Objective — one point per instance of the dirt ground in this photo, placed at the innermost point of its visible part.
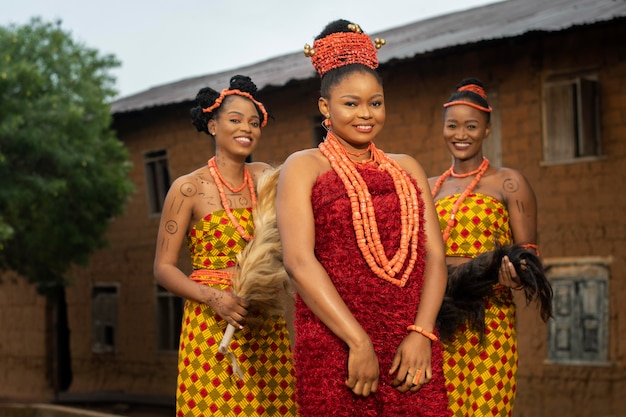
(130, 410)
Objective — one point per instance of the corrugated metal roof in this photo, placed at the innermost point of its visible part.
(495, 21)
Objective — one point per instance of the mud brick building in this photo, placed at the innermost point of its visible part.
(555, 72)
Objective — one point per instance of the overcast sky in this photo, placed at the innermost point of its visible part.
(162, 41)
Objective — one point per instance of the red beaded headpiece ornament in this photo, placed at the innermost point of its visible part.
(343, 48)
(226, 92)
(476, 89)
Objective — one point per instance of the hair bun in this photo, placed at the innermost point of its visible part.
(243, 83)
(470, 81)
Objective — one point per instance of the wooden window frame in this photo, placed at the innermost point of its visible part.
(318, 132)
(571, 118)
(158, 179)
(578, 333)
(104, 316)
(169, 312)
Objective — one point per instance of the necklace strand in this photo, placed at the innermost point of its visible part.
(219, 174)
(466, 174)
(364, 216)
(479, 172)
(219, 182)
(363, 152)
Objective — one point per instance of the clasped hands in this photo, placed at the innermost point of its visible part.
(411, 366)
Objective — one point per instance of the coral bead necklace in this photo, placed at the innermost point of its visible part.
(363, 152)
(468, 174)
(220, 182)
(479, 172)
(364, 216)
(213, 164)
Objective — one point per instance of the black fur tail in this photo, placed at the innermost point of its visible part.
(470, 284)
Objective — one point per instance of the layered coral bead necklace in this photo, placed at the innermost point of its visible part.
(220, 182)
(364, 216)
(478, 172)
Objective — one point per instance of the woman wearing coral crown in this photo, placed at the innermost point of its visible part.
(482, 211)
(362, 245)
(211, 208)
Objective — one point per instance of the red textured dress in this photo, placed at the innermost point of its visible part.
(383, 309)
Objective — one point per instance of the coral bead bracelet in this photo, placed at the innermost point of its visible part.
(423, 332)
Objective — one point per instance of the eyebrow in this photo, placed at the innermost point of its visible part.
(377, 95)
(241, 114)
(467, 121)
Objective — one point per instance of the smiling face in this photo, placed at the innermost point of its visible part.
(464, 129)
(356, 108)
(237, 127)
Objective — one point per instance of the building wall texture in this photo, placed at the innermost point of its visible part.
(579, 214)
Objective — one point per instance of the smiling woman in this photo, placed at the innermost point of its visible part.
(211, 208)
(368, 295)
(482, 208)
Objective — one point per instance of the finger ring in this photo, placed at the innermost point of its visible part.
(418, 374)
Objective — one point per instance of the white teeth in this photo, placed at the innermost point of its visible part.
(242, 139)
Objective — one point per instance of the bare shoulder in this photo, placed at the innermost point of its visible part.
(307, 159)
(190, 184)
(511, 179)
(303, 167)
(409, 164)
(510, 172)
(432, 181)
(257, 169)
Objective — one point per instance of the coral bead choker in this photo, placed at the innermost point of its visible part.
(467, 174)
(220, 182)
(479, 172)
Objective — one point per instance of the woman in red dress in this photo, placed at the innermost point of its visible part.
(361, 242)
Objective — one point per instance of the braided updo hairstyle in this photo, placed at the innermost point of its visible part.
(335, 76)
(471, 96)
(207, 96)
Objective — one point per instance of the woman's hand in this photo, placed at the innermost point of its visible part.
(507, 276)
(228, 306)
(412, 363)
(363, 370)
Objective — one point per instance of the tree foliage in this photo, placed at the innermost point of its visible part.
(63, 172)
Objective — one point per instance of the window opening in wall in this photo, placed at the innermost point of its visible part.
(157, 179)
(492, 145)
(319, 133)
(578, 332)
(169, 317)
(104, 302)
(571, 113)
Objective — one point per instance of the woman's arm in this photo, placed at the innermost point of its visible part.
(414, 353)
(175, 219)
(297, 232)
(521, 204)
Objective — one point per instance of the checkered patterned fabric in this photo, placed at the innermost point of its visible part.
(480, 376)
(206, 383)
(214, 242)
(480, 222)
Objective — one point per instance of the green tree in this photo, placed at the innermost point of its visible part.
(63, 172)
